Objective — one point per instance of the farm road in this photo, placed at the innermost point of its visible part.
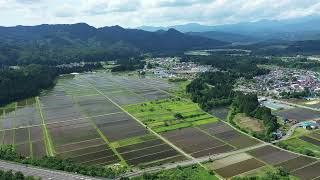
(42, 173)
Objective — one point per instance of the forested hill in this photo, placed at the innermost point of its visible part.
(80, 42)
(286, 47)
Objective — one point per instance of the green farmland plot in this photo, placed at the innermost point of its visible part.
(170, 114)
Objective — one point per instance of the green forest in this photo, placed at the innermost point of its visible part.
(27, 81)
(248, 104)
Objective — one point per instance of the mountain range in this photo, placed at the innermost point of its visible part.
(81, 33)
(294, 29)
(63, 43)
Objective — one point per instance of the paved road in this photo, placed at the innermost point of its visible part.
(42, 173)
(192, 161)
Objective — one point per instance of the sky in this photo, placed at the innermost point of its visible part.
(134, 13)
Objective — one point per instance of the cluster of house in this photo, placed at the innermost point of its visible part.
(172, 68)
(285, 80)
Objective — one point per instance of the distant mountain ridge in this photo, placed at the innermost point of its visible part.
(84, 34)
(226, 36)
(294, 29)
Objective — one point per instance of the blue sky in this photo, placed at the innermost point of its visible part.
(133, 13)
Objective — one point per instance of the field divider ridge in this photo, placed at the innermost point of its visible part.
(30, 143)
(47, 139)
(207, 133)
(127, 89)
(105, 139)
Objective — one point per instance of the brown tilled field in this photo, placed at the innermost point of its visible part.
(272, 155)
(229, 135)
(196, 142)
(239, 168)
(296, 163)
(308, 172)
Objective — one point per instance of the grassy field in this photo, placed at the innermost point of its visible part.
(248, 123)
(170, 114)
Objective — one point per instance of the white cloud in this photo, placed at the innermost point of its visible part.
(66, 10)
(132, 13)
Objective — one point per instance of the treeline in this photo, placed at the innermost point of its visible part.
(212, 89)
(248, 104)
(23, 82)
(51, 54)
(70, 68)
(296, 63)
(10, 175)
(128, 65)
(7, 153)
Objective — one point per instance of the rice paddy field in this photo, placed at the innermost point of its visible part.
(259, 160)
(304, 141)
(299, 114)
(220, 112)
(188, 127)
(82, 119)
(105, 119)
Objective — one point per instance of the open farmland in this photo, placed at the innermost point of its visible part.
(272, 155)
(305, 142)
(311, 171)
(229, 135)
(262, 159)
(21, 126)
(196, 142)
(300, 166)
(239, 168)
(81, 118)
(220, 112)
(105, 119)
(299, 114)
(188, 127)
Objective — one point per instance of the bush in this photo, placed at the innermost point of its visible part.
(178, 116)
